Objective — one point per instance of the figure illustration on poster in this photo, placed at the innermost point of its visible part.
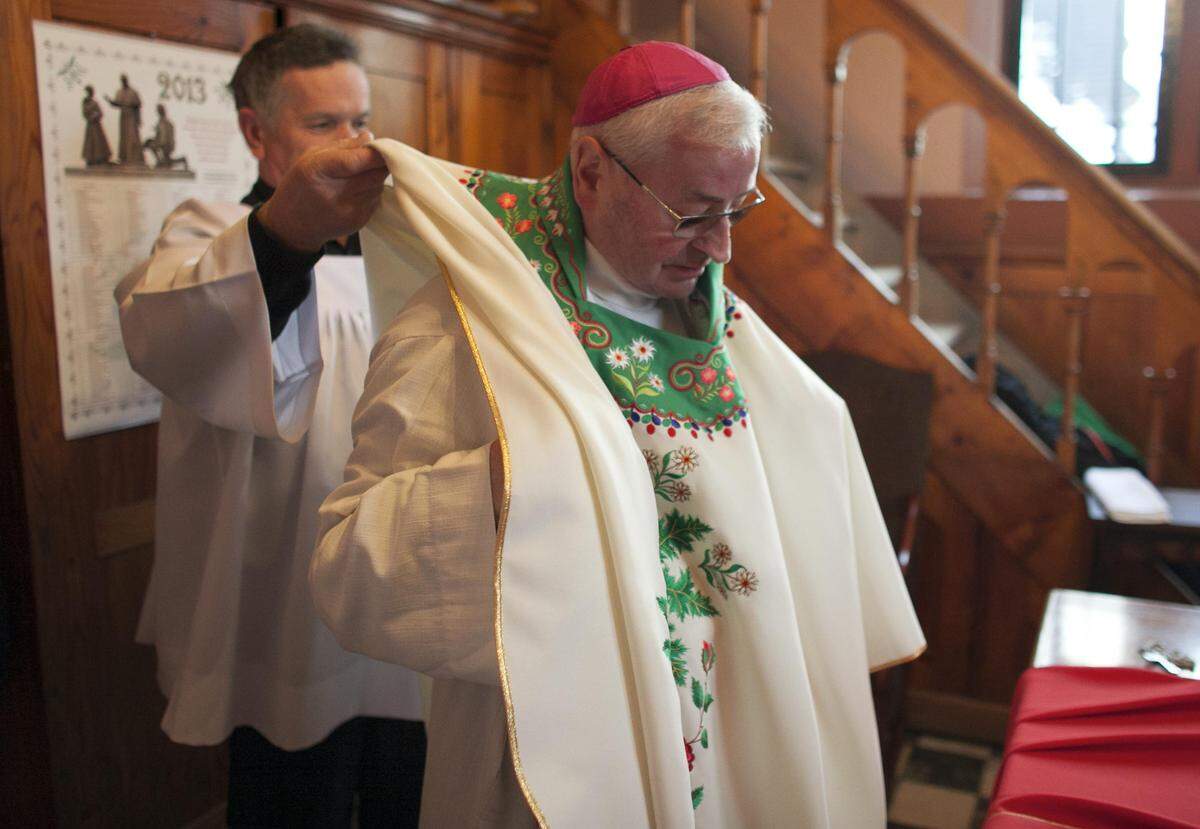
(131, 148)
(95, 143)
(162, 144)
(127, 100)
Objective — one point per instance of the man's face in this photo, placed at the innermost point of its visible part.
(635, 234)
(314, 108)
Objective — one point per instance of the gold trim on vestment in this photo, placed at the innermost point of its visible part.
(877, 668)
(501, 524)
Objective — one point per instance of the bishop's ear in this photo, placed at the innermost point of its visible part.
(251, 125)
(587, 170)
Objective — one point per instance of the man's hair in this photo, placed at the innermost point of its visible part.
(718, 115)
(304, 46)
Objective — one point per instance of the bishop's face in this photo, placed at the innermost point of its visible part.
(636, 235)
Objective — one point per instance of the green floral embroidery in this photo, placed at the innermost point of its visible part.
(680, 536)
(662, 381)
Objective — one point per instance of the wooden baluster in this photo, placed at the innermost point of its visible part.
(835, 94)
(618, 13)
(759, 10)
(985, 360)
(1160, 382)
(1076, 307)
(687, 23)
(914, 147)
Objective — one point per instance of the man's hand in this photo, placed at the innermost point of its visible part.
(327, 194)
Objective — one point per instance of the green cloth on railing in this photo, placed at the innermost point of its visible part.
(1088, 418)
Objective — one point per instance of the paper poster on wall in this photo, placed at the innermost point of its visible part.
(131, 127)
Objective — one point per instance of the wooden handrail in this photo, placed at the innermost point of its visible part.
(1105, 226)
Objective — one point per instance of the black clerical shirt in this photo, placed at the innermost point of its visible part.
(286, 274)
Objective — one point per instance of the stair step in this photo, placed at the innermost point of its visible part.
(947, 331)
(890, 275)
(789, 168)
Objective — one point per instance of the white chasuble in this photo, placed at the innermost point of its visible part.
(692, 578)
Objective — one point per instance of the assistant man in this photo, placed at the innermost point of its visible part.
(253, 321)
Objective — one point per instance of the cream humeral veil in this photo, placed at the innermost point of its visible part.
(594, 712)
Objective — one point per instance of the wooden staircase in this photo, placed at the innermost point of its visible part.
(1004, 518)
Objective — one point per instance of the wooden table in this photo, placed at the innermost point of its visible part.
(1102, 631)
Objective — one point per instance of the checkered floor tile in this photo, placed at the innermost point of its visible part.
(942, 784)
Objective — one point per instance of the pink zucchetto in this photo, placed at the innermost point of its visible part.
(639, 74)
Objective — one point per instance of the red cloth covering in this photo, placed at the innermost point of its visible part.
(1100, 748)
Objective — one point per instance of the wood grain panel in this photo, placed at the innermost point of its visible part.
(503, 119)
(218, 24)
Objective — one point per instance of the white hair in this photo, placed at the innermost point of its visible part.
(721, 115)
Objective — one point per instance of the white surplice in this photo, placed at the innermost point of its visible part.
(254, 434)
(572, 635)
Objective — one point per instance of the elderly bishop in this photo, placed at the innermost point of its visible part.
(626, 530)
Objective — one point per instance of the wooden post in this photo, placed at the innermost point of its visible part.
(759, 10)
(914, 147)
(1160, 382)
(618, 13)
(687, 23)
(1076, 306)
(835, 93)
(985, 360)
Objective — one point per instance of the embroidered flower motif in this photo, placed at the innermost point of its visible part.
(687, 458)
(507, 201)
(708, 655)
(651, 459)
(576, 327)
(558, 229)
(523, 226)
(536, 264)
(721, 554)
(708, 375)
(656, 382)
(679, 491)
(552, 214)
(744, 582)
(729, 375)
(689, 754)
(725, 393)
(642, 349)
(616, 358)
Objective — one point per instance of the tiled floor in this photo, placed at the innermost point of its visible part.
(942, 784)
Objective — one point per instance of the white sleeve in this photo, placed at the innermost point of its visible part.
(404, 567)
(893, 634)
(195, 325)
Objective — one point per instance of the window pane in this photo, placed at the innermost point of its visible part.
(1091, 69)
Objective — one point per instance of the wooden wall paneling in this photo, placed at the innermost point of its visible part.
(219, 24)
(946, 592)
(453, 22)
(109, 760)
(501, 114)
(438, 101)
(396, 68)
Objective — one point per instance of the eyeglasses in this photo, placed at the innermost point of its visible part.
(690, 227)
